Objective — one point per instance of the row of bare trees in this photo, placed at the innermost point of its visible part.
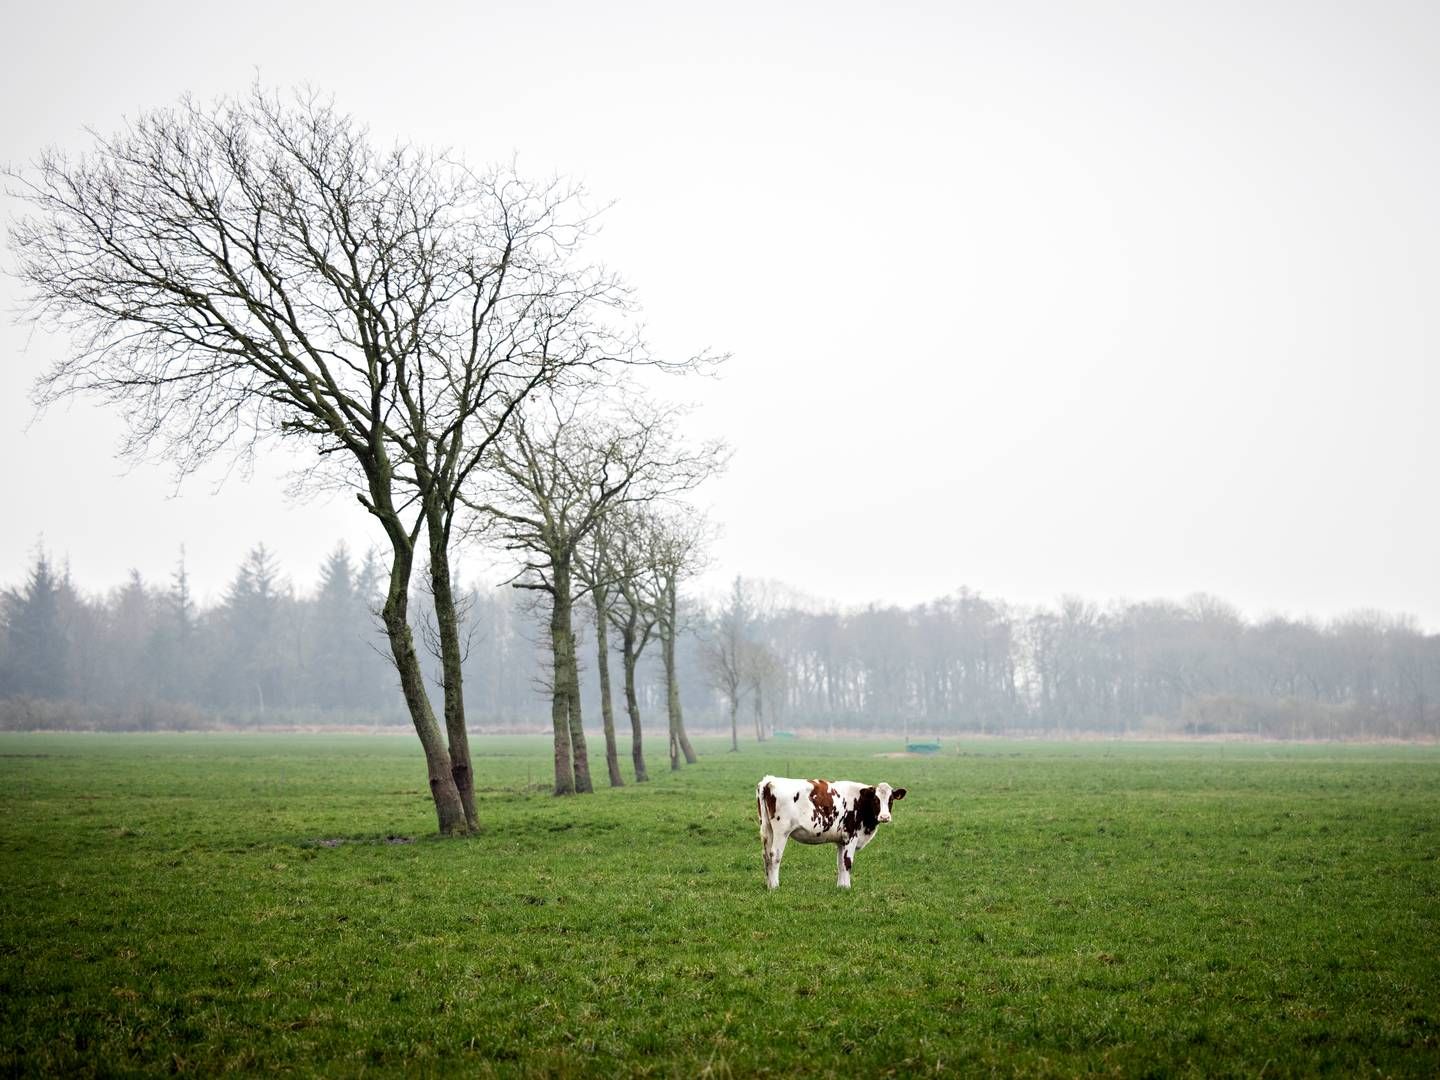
(633, 569)
(969, 664)
(258, 268)
(583, 492)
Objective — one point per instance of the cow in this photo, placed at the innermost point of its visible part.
(839, 812)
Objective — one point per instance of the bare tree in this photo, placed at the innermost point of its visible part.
(256, 268)
(593, 568)
(625, 568)
(762, 672)
(551, 480)
(724, 650)
(676, 552)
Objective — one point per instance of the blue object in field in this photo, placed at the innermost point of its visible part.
(923, 747)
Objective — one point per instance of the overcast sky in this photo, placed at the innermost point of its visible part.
(1123, 300)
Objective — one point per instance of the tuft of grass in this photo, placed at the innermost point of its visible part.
(209, 903)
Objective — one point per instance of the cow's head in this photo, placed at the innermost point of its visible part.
(888, 795)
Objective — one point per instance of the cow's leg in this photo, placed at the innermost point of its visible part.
(774, 852)
(844, 860)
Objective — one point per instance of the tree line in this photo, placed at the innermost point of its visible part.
(970, 664)
(758, 661)
(149, 656)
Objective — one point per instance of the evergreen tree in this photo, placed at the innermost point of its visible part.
(173, 655)
(37, 642)
(335, 659)
(130, 628)
(257, 646)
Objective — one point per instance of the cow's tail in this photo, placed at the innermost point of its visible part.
(766, 826)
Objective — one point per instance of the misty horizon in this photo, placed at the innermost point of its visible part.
(269, 653)
(209, 585)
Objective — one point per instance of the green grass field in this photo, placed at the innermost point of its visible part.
(1128, 909)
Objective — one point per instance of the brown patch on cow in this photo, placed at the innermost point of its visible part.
(849, 862)
(822, 800)
(770, 801)
(864, 816)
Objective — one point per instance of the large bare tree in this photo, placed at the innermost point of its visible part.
(561, 467)
(257, 267)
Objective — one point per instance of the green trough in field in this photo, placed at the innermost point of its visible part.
(206, 903)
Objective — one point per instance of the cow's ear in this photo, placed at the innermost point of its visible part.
(898, 793)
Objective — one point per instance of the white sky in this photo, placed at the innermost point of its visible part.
(1124, 300)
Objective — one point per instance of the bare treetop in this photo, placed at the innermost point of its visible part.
(567, 462)
(257, 266)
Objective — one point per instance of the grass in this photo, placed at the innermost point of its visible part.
(1035, 909)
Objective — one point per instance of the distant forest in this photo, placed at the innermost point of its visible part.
(147, 656)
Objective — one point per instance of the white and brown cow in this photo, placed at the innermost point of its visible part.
(839, 812)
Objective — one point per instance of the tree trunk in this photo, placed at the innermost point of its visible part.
(759, 715)
(560, 640)
(632, 704)
(448, 623)
(578, 751)
(734, 727)
(679, 741)
(667, 652)
(607, 709)
(448, 808)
